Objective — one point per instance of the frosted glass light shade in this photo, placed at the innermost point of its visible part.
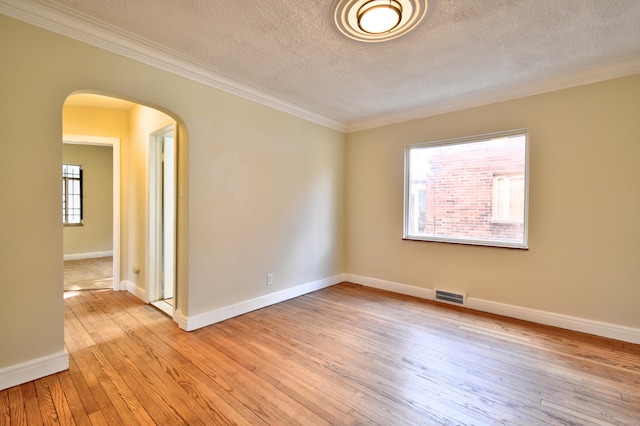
(377, 20)
(377, 17)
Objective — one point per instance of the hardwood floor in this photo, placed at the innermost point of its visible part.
(88, 274)
(343, 355)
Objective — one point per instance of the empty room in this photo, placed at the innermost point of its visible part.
(338, 212)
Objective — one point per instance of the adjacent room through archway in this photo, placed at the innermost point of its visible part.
(144, 194)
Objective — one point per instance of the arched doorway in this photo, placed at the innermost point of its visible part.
(135, 243)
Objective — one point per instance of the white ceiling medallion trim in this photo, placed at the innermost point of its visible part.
(72, 24)
(347, 14)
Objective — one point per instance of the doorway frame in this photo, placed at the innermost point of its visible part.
(115, 144)
(154, 206)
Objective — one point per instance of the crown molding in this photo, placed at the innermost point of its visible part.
(621, 68)
(72, 24)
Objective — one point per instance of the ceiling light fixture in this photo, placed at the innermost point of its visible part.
(379, 16)
(377, 20)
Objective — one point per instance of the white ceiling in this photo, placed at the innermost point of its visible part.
(288, 54)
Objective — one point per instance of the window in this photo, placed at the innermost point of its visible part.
(508, 198)
(470, 190)
(71, 194)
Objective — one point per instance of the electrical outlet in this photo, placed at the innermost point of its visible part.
(269, 279)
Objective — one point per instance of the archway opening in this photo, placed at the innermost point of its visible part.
(93, 118)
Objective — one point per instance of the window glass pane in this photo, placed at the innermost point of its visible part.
(74, 186)
(71, 194)
(466, 190)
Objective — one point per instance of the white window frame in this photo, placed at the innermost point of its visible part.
(408, 235)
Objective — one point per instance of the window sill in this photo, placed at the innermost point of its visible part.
(470, 242)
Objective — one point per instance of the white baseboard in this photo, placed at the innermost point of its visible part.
(190, 323)
(180, 319)
(24, 372)
(597, 328)
(78, 256)
(423, 293)
(132, 288)
(123, 286)
(612, 331)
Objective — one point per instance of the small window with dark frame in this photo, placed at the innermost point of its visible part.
(71, 194)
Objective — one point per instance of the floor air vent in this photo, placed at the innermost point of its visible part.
(451, 297)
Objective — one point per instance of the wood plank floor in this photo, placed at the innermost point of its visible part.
(88, 274)
(343, 355)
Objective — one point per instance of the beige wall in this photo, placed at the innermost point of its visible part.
(583, 258)
(263, 191)
(78, 120)
(143, 122)
(270, 191)
(96, 233)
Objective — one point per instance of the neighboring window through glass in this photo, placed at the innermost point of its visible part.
(468, 190)
(508, 198)
(71, 194)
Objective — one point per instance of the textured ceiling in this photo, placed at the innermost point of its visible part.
(466, 52)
